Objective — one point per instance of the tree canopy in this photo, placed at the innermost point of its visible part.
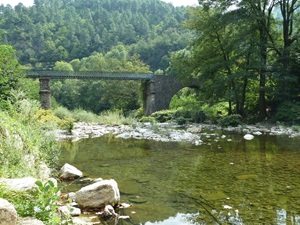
(244, 53)
(57, 30)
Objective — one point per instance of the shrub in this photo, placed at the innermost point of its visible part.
(230, 120)
(46, 119)
(116, 118)
(62, 112)
(148, 119)
(194, 116)
(181, 120)
(288, 113)
(84, 116)
(67, 124)
(41, 204)
(163, 115)
(23, 147)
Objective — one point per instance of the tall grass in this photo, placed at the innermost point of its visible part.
(116, 118)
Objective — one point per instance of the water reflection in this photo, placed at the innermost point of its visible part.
(259, 178)
(178, 219)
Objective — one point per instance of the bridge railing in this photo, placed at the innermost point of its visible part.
(88, 75)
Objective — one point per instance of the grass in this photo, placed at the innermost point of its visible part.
(115, 117)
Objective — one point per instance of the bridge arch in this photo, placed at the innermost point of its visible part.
(159, 91)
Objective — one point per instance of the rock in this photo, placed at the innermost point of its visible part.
(248, 137)
(257, 133)
(72, 196)
(69, 211)
(8, 214)
(85, 220)
(44, 171)
(194, 129)
(69, 172)
(99, 194)
(20, 184)
(29, 221)
(109, 211)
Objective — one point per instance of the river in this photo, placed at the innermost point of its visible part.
(226, 180)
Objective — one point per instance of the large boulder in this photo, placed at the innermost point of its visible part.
(26, 184)
(99, 194)
(8, 214)
(69, 172)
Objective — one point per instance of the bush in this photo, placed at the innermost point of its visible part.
(147, 119)
(231, 120)
(194, 116)
(181, 120)
(84, 116)
(288, 113)
(116, 118)
(67, 124)
(23, 147)
(62, 112)
(163, 115)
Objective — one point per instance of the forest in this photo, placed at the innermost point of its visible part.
(245, 55)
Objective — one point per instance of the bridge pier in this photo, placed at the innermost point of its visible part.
(45, 93)
(149, 97)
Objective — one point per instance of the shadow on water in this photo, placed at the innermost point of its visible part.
(226, 180)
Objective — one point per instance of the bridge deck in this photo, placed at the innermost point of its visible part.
(88, 75)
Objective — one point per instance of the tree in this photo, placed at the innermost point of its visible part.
(9, 73)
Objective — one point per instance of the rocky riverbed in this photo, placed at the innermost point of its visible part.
(170, 132)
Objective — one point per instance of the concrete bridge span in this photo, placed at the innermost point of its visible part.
(158, 90)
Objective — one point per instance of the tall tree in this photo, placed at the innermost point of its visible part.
(9, 73)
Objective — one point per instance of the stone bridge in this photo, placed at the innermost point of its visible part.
(158, 90)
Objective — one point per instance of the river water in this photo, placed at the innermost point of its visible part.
(226, 180)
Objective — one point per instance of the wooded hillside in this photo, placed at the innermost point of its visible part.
(57, 30)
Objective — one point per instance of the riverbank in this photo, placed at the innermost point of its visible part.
(169, 132)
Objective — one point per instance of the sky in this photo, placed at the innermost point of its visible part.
(30, 2)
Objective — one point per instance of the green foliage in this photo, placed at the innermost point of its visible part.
(9, 74)
(97, 96)
(116, 118)
(47, 202)
(42, 204)
(23, 147)
(47, 119)
(289, 113)
(231, 120)
(85, 116)
(67, 124)
(147, 119)
(194, 116)
(23, 202)
(163, 115)
(62, 32)
(62, 112)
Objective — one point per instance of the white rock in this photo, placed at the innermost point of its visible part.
(29, 221)
(20, 184)
(257, 133)
(248, 137)
(8, 214)
(69, 172)
(109, 211)
(99, 194)
(69, 210)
